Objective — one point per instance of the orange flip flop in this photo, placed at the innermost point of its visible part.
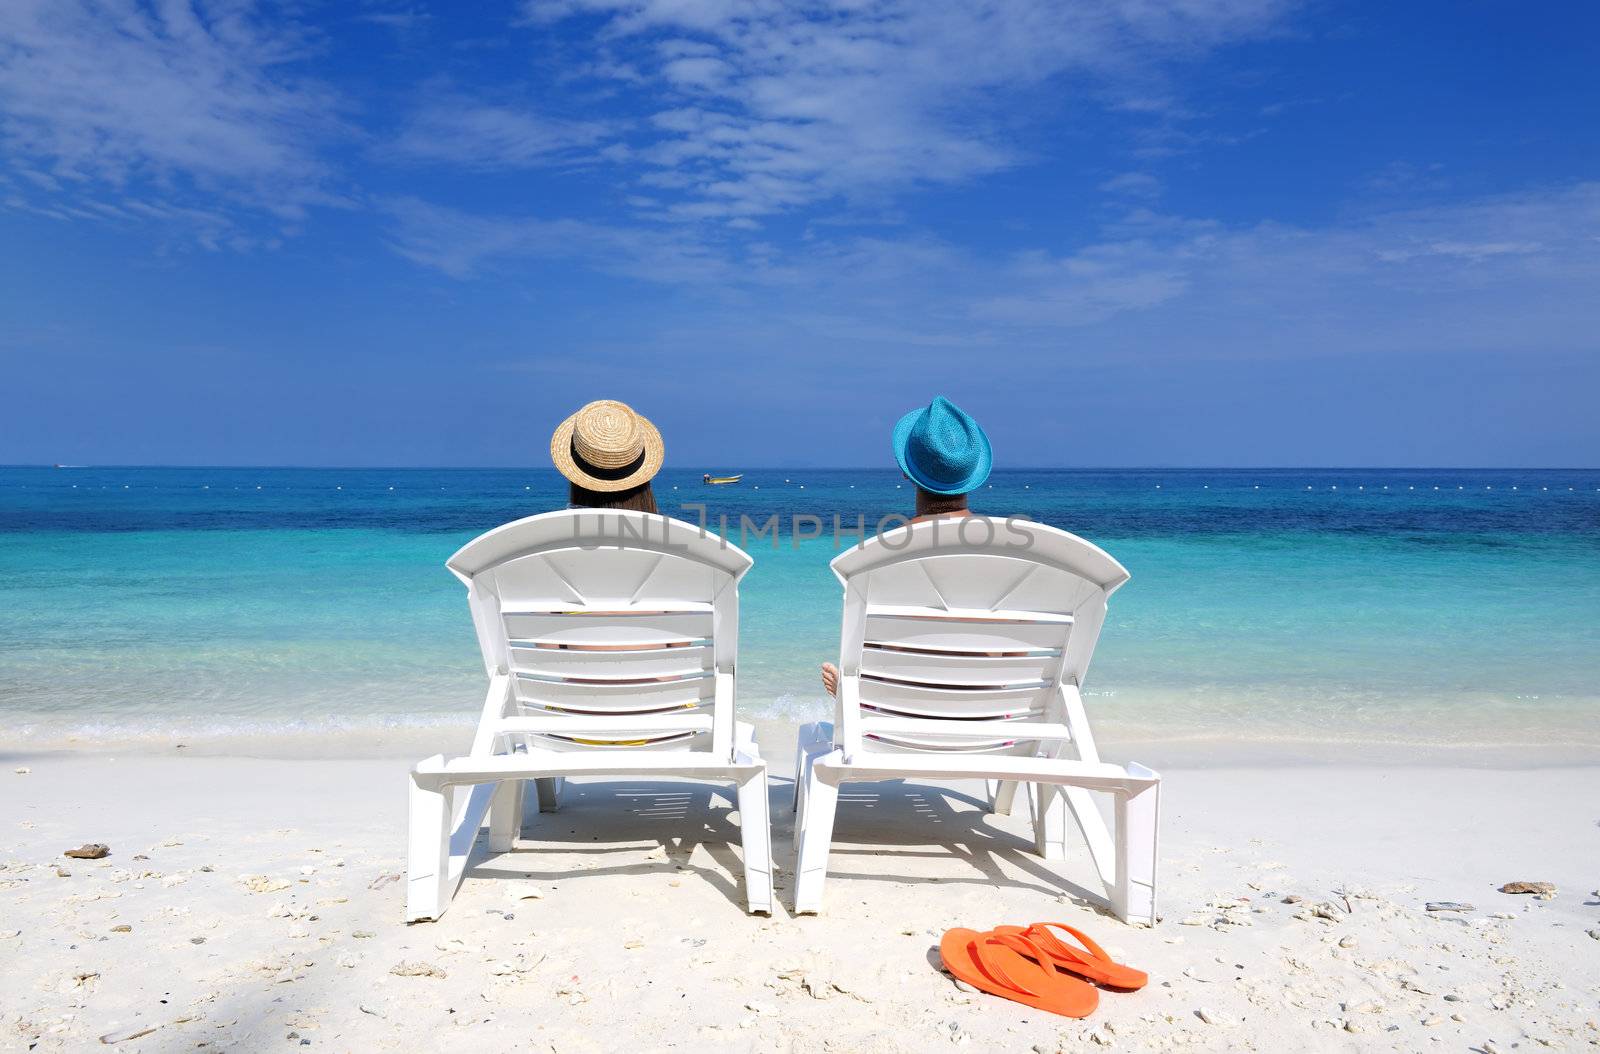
(1013, 967)
(1091, 961)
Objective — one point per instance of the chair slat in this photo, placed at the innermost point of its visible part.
(959, 703)
(964, 634)
(612, 665)
(649, 697)
(961, 668)
(639, 630)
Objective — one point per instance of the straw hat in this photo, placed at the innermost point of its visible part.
(606, 446)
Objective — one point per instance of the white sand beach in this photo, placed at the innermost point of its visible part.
(256, 903)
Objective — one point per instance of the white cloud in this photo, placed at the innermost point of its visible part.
(1133, 185)
(775, 105)
(1495, 275)
(165, 103)
(454, 129)
(462, 244)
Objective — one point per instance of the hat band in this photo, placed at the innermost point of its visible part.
(621, 472)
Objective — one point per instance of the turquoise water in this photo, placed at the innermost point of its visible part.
(1275, 606)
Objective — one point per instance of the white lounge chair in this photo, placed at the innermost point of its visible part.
(609, 639)
(964, 645)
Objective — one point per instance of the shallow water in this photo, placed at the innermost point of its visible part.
(1432, 608)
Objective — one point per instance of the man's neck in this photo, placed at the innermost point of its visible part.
(929, 506)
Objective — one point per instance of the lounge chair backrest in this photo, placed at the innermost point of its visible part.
(963, 619)
(609, 613)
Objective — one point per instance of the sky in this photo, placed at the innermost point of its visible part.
(1118, 232)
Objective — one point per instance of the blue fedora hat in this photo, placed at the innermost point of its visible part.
(942, 449)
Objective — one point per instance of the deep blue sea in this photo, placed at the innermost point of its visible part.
(1422, 607)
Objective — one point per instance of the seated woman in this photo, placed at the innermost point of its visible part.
(609, 454)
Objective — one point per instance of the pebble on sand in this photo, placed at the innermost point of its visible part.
(1542, 889)
(1448, 905)
(91, 851)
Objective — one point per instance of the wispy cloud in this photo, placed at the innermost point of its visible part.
(454, 129)
(1493, 275)
(177, 106)
(1133, 185)
(461, 244)
(772, 105)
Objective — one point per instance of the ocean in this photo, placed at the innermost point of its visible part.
(1297, 610)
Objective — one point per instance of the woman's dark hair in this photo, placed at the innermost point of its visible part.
(638, 499)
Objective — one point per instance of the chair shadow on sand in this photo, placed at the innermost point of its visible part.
(601, 819)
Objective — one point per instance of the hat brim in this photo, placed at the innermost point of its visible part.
(974, 479)
(655, 453)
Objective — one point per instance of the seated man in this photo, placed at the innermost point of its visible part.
(946, 454)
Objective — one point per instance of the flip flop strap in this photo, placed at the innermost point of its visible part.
(1041, 931)
(1022, 945)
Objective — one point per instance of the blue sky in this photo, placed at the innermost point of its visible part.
(1119, 232)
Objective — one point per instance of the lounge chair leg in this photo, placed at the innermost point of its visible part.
(1049, 821)
(756, 833)
(815, 836)
(1002, 796)
(428, 856)
(801, 781)
(549, 790)
(1133, 896)
(505, 815)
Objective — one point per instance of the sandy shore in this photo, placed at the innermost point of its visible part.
(255, 904)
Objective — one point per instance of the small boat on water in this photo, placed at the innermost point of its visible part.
(709, 478)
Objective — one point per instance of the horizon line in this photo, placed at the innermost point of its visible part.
(822, 468)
